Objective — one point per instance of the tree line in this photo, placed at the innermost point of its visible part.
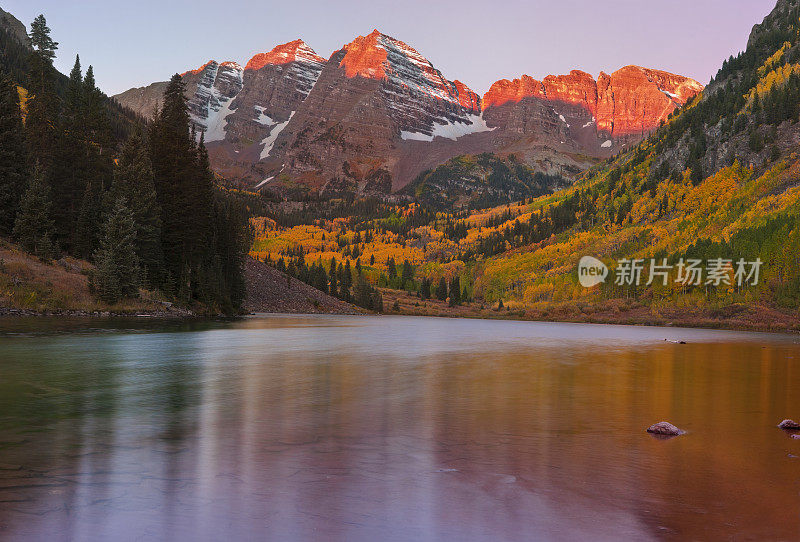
(339, 280)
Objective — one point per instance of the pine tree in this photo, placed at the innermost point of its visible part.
(99, 162)
(408, 272)
(441, 290)
(41, 40)
(42, 104)
(89, 222)
(133, 181)
(33, 228)
(425, 289)
(117, 273)
(13, 155)
(184, 186)
(233, 241)
(69, 174)
(455, 292)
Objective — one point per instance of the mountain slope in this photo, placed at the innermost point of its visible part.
(15, 54)
(478, 182)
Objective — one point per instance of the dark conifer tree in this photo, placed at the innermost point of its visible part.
(455, 292)
(334, 283)
(204, 237)
(33, 228)
(13, 155)
(408, 272)
(69, 174)
(117, 273)
(441, 290)
(90, 221)
(133, 181)
(182, 190)
(43, 103)
(100, 144)
(425, 289)
(232, 243)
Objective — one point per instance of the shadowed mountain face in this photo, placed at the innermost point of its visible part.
(377, 114)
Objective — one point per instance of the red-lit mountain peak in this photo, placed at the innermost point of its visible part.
(294, 51)
(365, 56)
(382, 57)
(200, 69)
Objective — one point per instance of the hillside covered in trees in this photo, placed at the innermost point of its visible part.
(82, 178)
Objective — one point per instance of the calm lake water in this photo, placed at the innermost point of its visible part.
(333, 428)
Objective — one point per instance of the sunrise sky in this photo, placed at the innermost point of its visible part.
(136, 43)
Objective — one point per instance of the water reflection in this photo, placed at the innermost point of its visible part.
(350, 428)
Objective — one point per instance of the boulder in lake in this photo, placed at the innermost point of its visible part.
(790, 425)
(665, 429)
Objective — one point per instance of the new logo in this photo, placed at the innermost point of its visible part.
(591, 272)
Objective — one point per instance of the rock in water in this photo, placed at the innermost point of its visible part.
(665, 428)
(796, 437)
(789, 424)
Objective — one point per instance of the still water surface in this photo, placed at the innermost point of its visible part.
(387, 428)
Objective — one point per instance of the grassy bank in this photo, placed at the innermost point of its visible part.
(30, 286)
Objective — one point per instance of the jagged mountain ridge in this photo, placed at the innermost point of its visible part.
(377, 113)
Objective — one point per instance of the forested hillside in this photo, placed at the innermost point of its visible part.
(478, 182)
(80, 177)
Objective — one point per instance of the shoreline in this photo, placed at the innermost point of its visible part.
(758, 318)
(175, 314)
(718, 325)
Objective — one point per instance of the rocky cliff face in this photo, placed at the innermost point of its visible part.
(378, 113)
(214, 88)
(615, 109)
(14, 27)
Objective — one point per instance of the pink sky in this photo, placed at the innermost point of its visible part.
(478, 42)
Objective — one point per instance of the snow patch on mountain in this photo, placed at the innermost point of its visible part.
(262, 117)
(217, 123)
(265, 181)
(607, 144)
(269, 141)
(451, 130)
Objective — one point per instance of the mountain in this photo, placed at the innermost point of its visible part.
(375, 99)
(377, 114)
